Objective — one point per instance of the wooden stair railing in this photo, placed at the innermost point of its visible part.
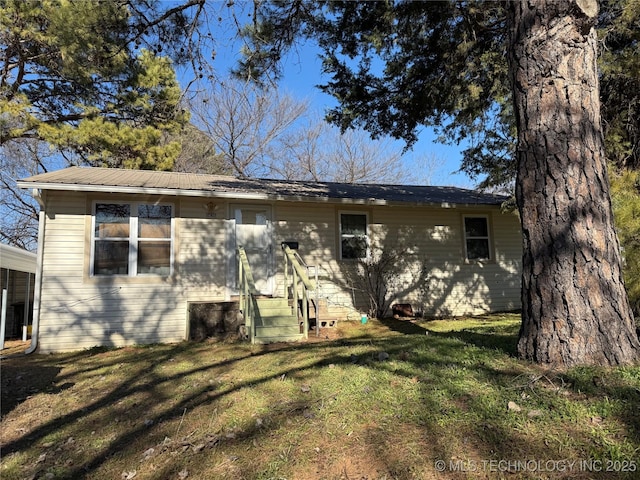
(247, 292)
(297, 279)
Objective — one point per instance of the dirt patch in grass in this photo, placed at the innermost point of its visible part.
(393, 399)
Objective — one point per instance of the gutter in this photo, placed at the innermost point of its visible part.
(38, 280)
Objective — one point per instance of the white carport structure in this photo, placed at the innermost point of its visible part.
(18, 268)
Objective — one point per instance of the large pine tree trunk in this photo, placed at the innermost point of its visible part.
(575, 308)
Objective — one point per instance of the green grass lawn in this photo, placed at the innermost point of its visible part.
(387, 399)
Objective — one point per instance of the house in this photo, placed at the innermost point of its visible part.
(17, 271)
(127, 257)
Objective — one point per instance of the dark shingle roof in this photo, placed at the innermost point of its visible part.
(189, 184)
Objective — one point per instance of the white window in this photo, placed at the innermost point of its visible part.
(476, 237)
(354, 241)
(132, 239)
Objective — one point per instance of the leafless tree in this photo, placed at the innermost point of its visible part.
(320, 152)
(19, 212)
(262, 133)
(244, 121)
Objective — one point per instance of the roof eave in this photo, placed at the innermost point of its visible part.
(72, 187)
(236, 195)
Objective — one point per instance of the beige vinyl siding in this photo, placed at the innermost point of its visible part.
(433, 242)
(451, 286)
(508, 248)
(315, 228)
(431, 250)
(204, 251)
(78, 311)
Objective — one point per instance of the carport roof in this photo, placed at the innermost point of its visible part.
(13, 258)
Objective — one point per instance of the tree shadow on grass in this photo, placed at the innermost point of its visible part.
(494, 341)
(602, 384)
(162, 385)
(407, 327)
(481, 336)
(19, 382)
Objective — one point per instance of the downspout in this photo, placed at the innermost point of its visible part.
(38, 280)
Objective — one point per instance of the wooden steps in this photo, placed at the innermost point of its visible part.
(276, 321)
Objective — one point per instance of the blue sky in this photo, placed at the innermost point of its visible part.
(302, 72)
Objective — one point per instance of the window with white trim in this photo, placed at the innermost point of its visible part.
(476, 237)
(132, 239)
(354, 241)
